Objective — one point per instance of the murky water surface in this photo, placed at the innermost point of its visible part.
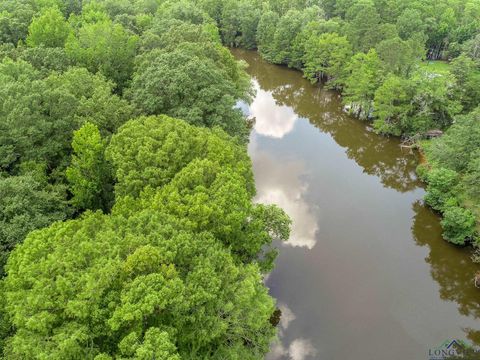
(366, 274)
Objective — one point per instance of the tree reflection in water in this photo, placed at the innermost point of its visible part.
(377, 156)
(282, 98)
(451, 266)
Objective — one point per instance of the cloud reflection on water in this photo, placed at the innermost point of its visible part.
(298, 349)
(282, 186)
(287, 316)
(272, 120)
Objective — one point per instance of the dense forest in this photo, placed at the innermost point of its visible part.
(125, 231)
(127, 223)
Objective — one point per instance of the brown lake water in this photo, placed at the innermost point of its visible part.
(365, 274)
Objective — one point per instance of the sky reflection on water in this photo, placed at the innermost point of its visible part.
(366, 274)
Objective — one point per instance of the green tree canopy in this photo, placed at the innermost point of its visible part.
(27, 202)
(106, 47)
(287, 29)
(49, 29)
(363, 25)
(364, 78)
(401, 57)
(38, 115)
(266, 29)
(392, 105)
(174, 272)
(239, 21)
(312, 28)
(15, 17)
(409, 23)
(466, 72)
(88, 174)
(169, 35)
(458, 225)
(151, 150)
(43, 59)
(326, 56)
(415, 105)
(186, 84)
(456, 149)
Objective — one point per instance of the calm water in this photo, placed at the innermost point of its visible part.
(366, 274)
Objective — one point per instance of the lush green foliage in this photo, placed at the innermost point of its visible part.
(170, 265)
(172, 272)
(27, 202)
(330, 44)
(326, 56)
(238, 21)
(106, 47)
(458, 224)
(441, 187)
(189, 84)
(38, 115)
(364, 77)
(50, 29)
(149, 151)
(89, 174)
(171, 268)
(455, 177)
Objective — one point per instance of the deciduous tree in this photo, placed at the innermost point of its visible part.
(326, 57)
(89, 174)
(50, 29)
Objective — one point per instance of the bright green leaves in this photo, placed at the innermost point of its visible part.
(458, 224)
(174, 269)
(27, 202)
(49, 110)
(286, 30)
(50, 29)
(326, 57)
(441, 187)
(149, 151)
(174, 273)
(277, 35)
(453, 183)
(415, 105)
(205, 299)
(88, 174)
(266, 223)
(156, 344)
(144, 299)
(106, 47)
(37, 118)
(145, 260)
(365, 76)
(201, 178)
(189, 85)
(208, 196)
(392, 105)
(267, 26)
(456, 149)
